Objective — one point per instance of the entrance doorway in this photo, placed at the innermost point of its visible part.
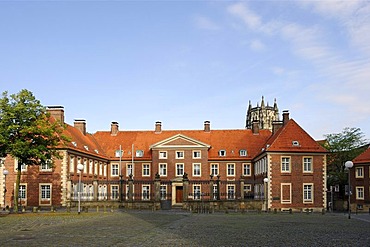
(179, 194)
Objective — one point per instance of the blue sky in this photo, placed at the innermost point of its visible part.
(184, 62)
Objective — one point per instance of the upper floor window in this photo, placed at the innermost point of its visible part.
(196, 170)
(114, 170)
(129, 169)
(163, 154)
(243, 152)
(71, 163)
(23, 166)
(179, 169)
(285, 164)
(222, 153)
(230, 169)
(139, 153)
(163, 170)
(179, 154)
(307, 164)
(196, 154)
(214, 169)
(246, 169)
(46, 166)
(146, 170)
(359, 172)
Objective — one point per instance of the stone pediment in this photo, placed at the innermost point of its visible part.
(180, 141)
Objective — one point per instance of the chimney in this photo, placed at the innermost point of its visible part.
(57, 112)
(276, 125)
(255, 127)
(207, 126)
(285, 117)
(81, 125)
(158, 127)
(114, 129)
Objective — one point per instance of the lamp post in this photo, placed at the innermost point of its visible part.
(80, 167)
(266, 180)
(349, 165)
(5, 173)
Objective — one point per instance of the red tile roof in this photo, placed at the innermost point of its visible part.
(363, 158)
(291, 132)
(230, 140)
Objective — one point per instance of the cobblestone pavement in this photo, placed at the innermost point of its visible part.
(177, 228)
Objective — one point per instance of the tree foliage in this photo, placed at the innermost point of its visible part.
(27, 132)
(342, 147)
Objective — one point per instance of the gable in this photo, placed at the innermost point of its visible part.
(179, 141)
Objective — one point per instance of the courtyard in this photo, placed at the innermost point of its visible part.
(180, 228)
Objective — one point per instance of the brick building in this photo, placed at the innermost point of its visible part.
(280, 167)
(360, 182)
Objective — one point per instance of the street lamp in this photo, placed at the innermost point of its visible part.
(5, 173)
(80, 167)
(349, 165)
(266, 180)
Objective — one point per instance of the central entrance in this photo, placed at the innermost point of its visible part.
(179, 194)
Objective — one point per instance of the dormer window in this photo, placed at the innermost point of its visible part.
(139, 153)
(74, 144)
(96, 151)
(86, 147)
(222, 153)
(243, 152)
(118, 153)
(295, 143)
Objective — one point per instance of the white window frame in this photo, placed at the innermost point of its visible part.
(71, 163)
(162, 154)
(360, 172)
(146, 170)
(145, 192)
(179, 155)
(22, 192)
(162, 168)
(247, 169)
(197, 154)
(230, 196)
(163, 192)
(118, 153)
(91, 167)
(307, 166)
(360, 193)
(197, 192)
(139, 153)
(214, 191)
(96, 167)
(222, 153)
(197, 172)
(180, 167)
(105, 169)
(114, 170)
(129, 169)
(285, 166)
(242, 152)
(23, 166)
(46, 167)
(100, 169)
(46, 192)
(308, 193)
(230, 169)
(213, 167)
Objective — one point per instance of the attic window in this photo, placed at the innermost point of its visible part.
(222, 153)
(96, 151)
(86, 147)
(74, 144)
(139, 153)
(118, 153)
(243, 152)
(295, 143)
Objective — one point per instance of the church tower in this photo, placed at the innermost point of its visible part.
(263, 114)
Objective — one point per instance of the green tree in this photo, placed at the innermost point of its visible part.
(27, 133)
(342, 147)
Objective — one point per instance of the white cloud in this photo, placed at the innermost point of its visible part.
(241, 10)
(205, 23)
(257, 45)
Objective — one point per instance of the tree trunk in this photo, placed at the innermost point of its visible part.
(16, 191)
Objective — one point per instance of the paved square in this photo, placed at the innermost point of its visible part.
(176, 228)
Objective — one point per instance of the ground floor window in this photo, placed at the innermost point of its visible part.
(146, 192)
(307, 193)
(196, 192)
(114, 192)
(231, 192)
(360, 193)
(163, 192)
(45, 192)
(22, 192)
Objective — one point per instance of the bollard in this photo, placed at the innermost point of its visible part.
(275, 211)
(290, 211)
(323, 211)
(97, 209)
